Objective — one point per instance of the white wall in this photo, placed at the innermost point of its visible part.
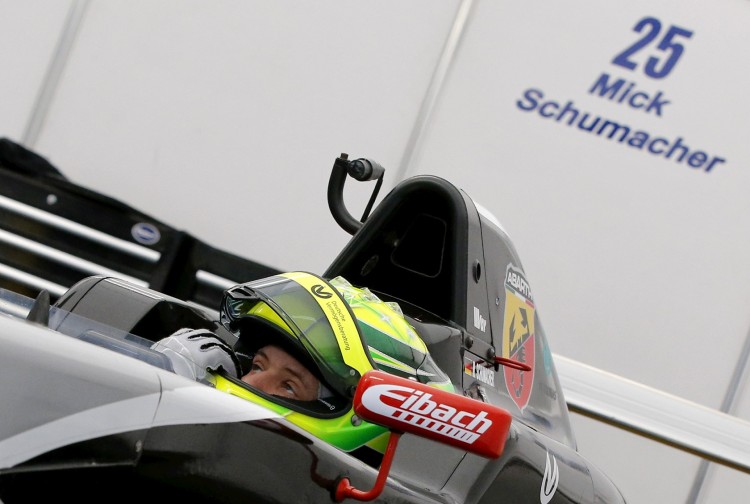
(187, 110)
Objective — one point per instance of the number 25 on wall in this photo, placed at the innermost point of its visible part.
(667, 52)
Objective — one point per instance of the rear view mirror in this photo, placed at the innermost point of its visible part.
(408, 406)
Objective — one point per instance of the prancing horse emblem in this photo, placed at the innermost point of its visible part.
(518, 336)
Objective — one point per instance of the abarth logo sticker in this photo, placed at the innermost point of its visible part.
(518, 336)
(549, 481)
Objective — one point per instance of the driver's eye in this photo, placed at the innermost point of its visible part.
(289, 389)
(256, 366)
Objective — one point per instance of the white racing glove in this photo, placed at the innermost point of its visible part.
(195, 351)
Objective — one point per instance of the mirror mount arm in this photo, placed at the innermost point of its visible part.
(361, 170)
(405, 406)
(345, 489)
(511, 363)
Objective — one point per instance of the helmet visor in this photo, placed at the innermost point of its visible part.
(317, 320)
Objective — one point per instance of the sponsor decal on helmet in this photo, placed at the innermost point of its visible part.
(337, 313)
(319, 290)
(518, 335)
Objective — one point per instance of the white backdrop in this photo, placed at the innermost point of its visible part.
(187, 109)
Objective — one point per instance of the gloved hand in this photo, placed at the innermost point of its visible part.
(194, 351)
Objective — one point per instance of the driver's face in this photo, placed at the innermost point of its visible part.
(275, 372)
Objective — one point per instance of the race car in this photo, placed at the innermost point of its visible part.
(92, 411)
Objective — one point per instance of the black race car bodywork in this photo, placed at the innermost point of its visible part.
(90, 412)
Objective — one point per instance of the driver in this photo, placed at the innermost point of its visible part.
(276, 372)
(271, 369)
(302, 345)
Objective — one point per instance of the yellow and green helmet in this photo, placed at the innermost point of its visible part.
(339, 332)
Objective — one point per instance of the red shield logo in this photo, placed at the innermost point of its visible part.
(518, 336)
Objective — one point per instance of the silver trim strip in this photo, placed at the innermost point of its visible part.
(54, 71)
(121, 416)
(158, 296)
(64, 258)
(79, 230)
(728, 405)
(214, 280)
(31, 280)
(414, 144)
(665, 418)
